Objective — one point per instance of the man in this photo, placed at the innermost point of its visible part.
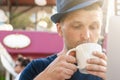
(77, 21)
(20, 64)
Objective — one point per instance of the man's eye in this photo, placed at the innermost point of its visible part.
(77, 26)
(93, 27)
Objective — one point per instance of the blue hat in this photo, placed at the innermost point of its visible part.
(65, 6)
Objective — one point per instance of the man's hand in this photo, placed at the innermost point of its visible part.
(61, 68)
(98, 66)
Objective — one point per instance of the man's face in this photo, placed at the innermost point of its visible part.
(80, 27)
(18, 68)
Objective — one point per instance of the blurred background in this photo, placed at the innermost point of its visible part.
(26, 29)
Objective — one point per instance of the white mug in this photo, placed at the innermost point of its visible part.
(83, 53)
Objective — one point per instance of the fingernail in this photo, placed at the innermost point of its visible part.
(95, 53)
(88, 60)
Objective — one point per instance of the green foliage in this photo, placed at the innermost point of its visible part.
(2, 77)
(22, 21)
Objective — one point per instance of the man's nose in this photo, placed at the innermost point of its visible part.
(85, 34)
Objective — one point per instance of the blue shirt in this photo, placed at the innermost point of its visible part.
(38, 65)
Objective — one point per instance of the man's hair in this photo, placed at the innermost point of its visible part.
(24, 61)
(94, 6)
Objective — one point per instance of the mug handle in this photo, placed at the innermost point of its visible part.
(68, 53)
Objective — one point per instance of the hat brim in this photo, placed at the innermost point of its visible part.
(56, 17)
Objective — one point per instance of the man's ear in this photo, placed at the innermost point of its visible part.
(59, 29)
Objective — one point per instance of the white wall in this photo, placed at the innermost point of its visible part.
(113, 72)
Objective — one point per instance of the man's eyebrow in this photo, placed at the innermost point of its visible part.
(80, 22)
(96, 22)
